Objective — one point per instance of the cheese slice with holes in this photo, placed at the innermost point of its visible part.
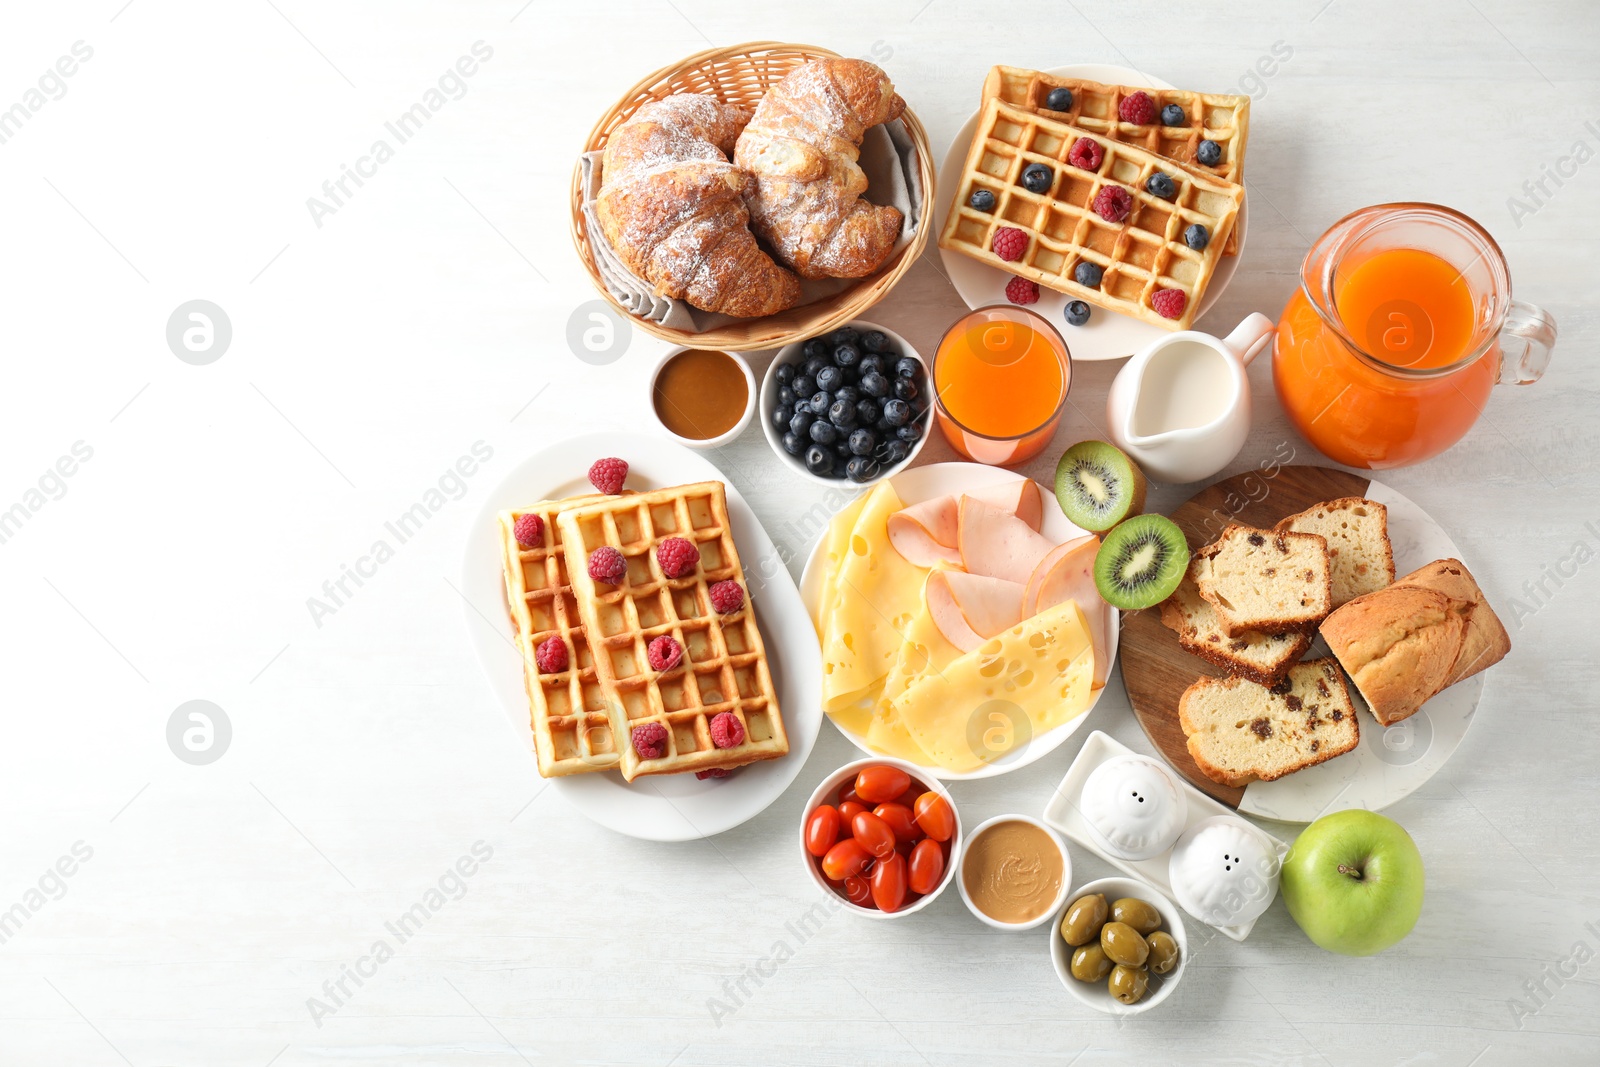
(1023, 683)
(876, 594)
(835, 540)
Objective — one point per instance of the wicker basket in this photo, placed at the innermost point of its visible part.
(741, 75)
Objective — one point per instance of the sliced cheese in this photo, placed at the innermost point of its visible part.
(887, 733)
(997, 544)
(835, 540)
(1026, 682)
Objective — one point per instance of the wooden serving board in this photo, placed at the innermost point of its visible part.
(1155, 669)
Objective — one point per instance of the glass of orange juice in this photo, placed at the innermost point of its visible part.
(1000, 380)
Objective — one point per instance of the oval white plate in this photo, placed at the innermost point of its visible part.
(939, 479)
(1107, 335)
(674, 807)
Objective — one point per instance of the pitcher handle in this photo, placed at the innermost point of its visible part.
(1251, 336)
(1526, 338)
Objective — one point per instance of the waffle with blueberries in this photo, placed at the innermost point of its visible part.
(852, 405)
(1099, 220)
(1197, 130)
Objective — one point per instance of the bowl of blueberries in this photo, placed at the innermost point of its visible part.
(850, 405)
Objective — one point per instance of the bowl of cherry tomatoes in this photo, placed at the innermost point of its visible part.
(881, 837)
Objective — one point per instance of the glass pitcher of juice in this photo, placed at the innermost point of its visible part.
(1000, 380)
(1402, 324)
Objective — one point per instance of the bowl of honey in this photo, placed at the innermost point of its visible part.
(702, 398)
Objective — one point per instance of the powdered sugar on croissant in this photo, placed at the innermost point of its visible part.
(802, 146)
(673, 208)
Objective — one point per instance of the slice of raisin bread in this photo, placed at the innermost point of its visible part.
(1359, 554)
(1262, 658)
(1239, 731)
(1267, 580)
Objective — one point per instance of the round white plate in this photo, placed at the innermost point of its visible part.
(940, 479)
(1107, 335)
(674, 807)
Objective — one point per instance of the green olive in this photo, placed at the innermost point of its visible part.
(1084, 919)
(1124, 944)
(1089, 963)
(1137, 914)
(1128, 984)
(1163, 952)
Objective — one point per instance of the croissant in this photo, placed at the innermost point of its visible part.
(673, 208)
(802, 146)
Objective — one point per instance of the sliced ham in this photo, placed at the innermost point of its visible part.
(971, 608)
(997, 544)
(927, 533)
(1068, 574)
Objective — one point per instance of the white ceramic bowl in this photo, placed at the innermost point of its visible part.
(1096, 995)
(769, 400)
(750, 402)
(828, 793)
(1051, 913)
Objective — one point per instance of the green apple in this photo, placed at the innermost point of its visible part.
(1353, 881)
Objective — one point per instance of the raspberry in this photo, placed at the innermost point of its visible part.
(678, 558)
(714, 772)
(1009, 243)
(550, 656)
(1086, 153)
(727, 596)
(607, 565)
(1169, 303)
(1113, 203)
(529, 531)
(650, 740)
(726, 730)
(607, 475)
(1138, 108)
(1022, 291)
(663, 653)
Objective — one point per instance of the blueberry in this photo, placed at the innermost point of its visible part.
(830, 378)
(861, 469)
(1059, 100)
(803, 385)
(875, 385)
(907, 367)
(793, 443)
(844, 335)
(1172, 115)
(824, 432)
(876, 341)
(814, 348)
(846, 355)
(841, 452)
(801, 406)
(849, 392)
(780, 418)
(800, 422)
(843, 414)
(896, 413)
(910, 433)
(867, 411)
(884, 429)
(981, 200)
(821, 401)
(815, 364)
(1077, 312)
(1209, 153)
(1197, 237)
(1161, 185)
(1037, 178)
(785, 397)
(785, 373)
(819, 460)
(862, 442)
(872, 364)
(906, 389)
(1088, 274)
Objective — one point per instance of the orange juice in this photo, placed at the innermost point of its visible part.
(1000, 377)
(1406, 306)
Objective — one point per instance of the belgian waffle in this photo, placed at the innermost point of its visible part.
(1140, 255)
(1218, 117)
(724, 664)
(571, 724)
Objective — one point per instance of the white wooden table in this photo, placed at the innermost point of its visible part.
(381, 333)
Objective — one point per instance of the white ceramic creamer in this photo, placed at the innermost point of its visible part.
(1180, 407)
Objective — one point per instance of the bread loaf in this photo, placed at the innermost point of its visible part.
(1262, 658)
(1359, 554)
(1239, 731)
(1271, 581)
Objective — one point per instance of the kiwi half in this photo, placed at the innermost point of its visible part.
(1141, 562)
(1098, 486)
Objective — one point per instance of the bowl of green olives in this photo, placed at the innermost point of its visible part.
(1119, 946)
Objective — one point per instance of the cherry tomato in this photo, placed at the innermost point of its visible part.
(873, 834)
(822, 829)
(889, 883)
(908, 799)
(926, 866)
(847, 814)
(858, 891)
(900, 820)
(879, 785)
(849, 795)
(845, 859)
(935, 817)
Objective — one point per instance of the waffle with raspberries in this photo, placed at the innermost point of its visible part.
(1218, 117)
(663, 695)
(571, 725)
(1095, 208)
